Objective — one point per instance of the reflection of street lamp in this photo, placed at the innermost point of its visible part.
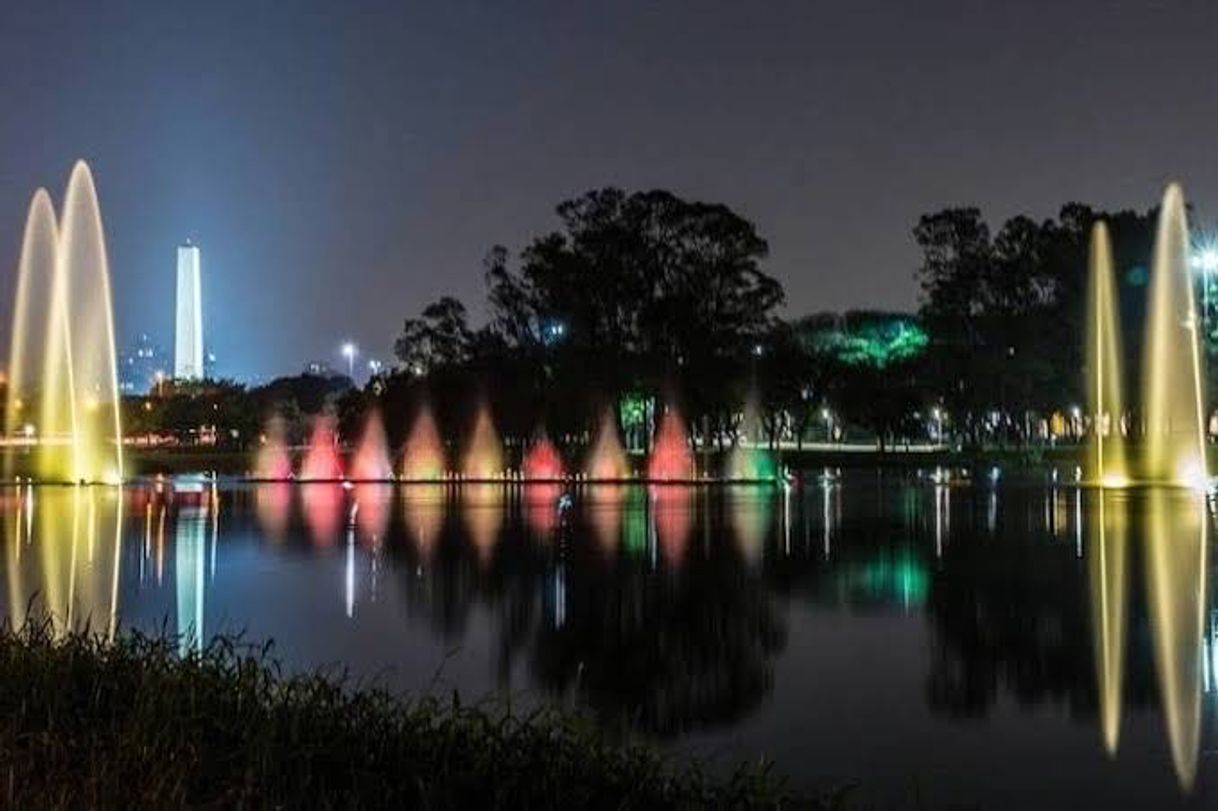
(349, 352)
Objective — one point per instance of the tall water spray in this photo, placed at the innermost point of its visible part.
(62, 353)
(1172, 394)
(1104, 395)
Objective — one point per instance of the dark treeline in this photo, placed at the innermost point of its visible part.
(643, 301)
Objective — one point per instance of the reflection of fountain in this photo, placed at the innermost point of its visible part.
(484, 454)
(607, 460)
(671, 458)
(321, 463)
(424, 516)
(1106, 553)
(673, 520)
(751, 515)
(323, 509)
(482, 505)
(371, 462)
(63, 319)
(75, 576)
(1176, 568)
(423, 456)
(273, 463)
(373, 500)
(541, 507)
(1107, 457)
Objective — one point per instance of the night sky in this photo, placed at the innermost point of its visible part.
(343, 163)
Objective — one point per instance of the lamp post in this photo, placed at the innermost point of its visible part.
(1205, 261)
(349, 352)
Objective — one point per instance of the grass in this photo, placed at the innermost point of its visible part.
(86, 723)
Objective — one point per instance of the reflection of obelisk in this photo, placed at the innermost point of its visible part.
(190, 543)
(188, 329)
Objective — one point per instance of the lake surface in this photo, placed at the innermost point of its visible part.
(1000, 645)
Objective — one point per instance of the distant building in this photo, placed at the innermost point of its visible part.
(319, 368)
(139, 364)
(188, 330)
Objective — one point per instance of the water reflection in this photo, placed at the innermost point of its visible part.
(1176, 569)
(1107, 565)
(73, 581)
(670, 610)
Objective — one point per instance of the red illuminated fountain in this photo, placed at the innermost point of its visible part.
(273, 462)
(543, 463)
(484, 454)
(607, 461)
(423, 456)
(672, 459)
(321, 462)
(371, 462)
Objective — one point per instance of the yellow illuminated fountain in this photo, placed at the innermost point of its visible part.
(62, 353)
(1174, 447)
(1175, 426)
(1107, 458)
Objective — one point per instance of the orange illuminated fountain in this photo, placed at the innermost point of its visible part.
(62, 341)
(273, 462)
(484, 455)
(371, 462)
(672, 459)
(321, 463)
(543, 462)
(607, 461)
(423, 456)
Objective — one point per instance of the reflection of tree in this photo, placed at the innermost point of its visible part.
(665, 652)
(1008, 613)
(1013, 614)
(657, 649)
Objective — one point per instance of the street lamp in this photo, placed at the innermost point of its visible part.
(1205, 260)
(349, 352)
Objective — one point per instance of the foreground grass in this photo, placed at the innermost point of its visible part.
(130, 724)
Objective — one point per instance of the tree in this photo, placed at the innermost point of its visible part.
(440, 337)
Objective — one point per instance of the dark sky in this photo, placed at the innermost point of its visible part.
(343, 163)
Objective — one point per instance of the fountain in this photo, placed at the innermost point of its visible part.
(321, 463)
(1104, 360)
(484, 455)
(543, 462)
(1172, 389)
(607, 459)
(62, 352)
(423, 456)
(1175, 422)
(371, 462)
(273, 462)
(672, 459)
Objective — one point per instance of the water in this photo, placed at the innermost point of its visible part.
(930, 644)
